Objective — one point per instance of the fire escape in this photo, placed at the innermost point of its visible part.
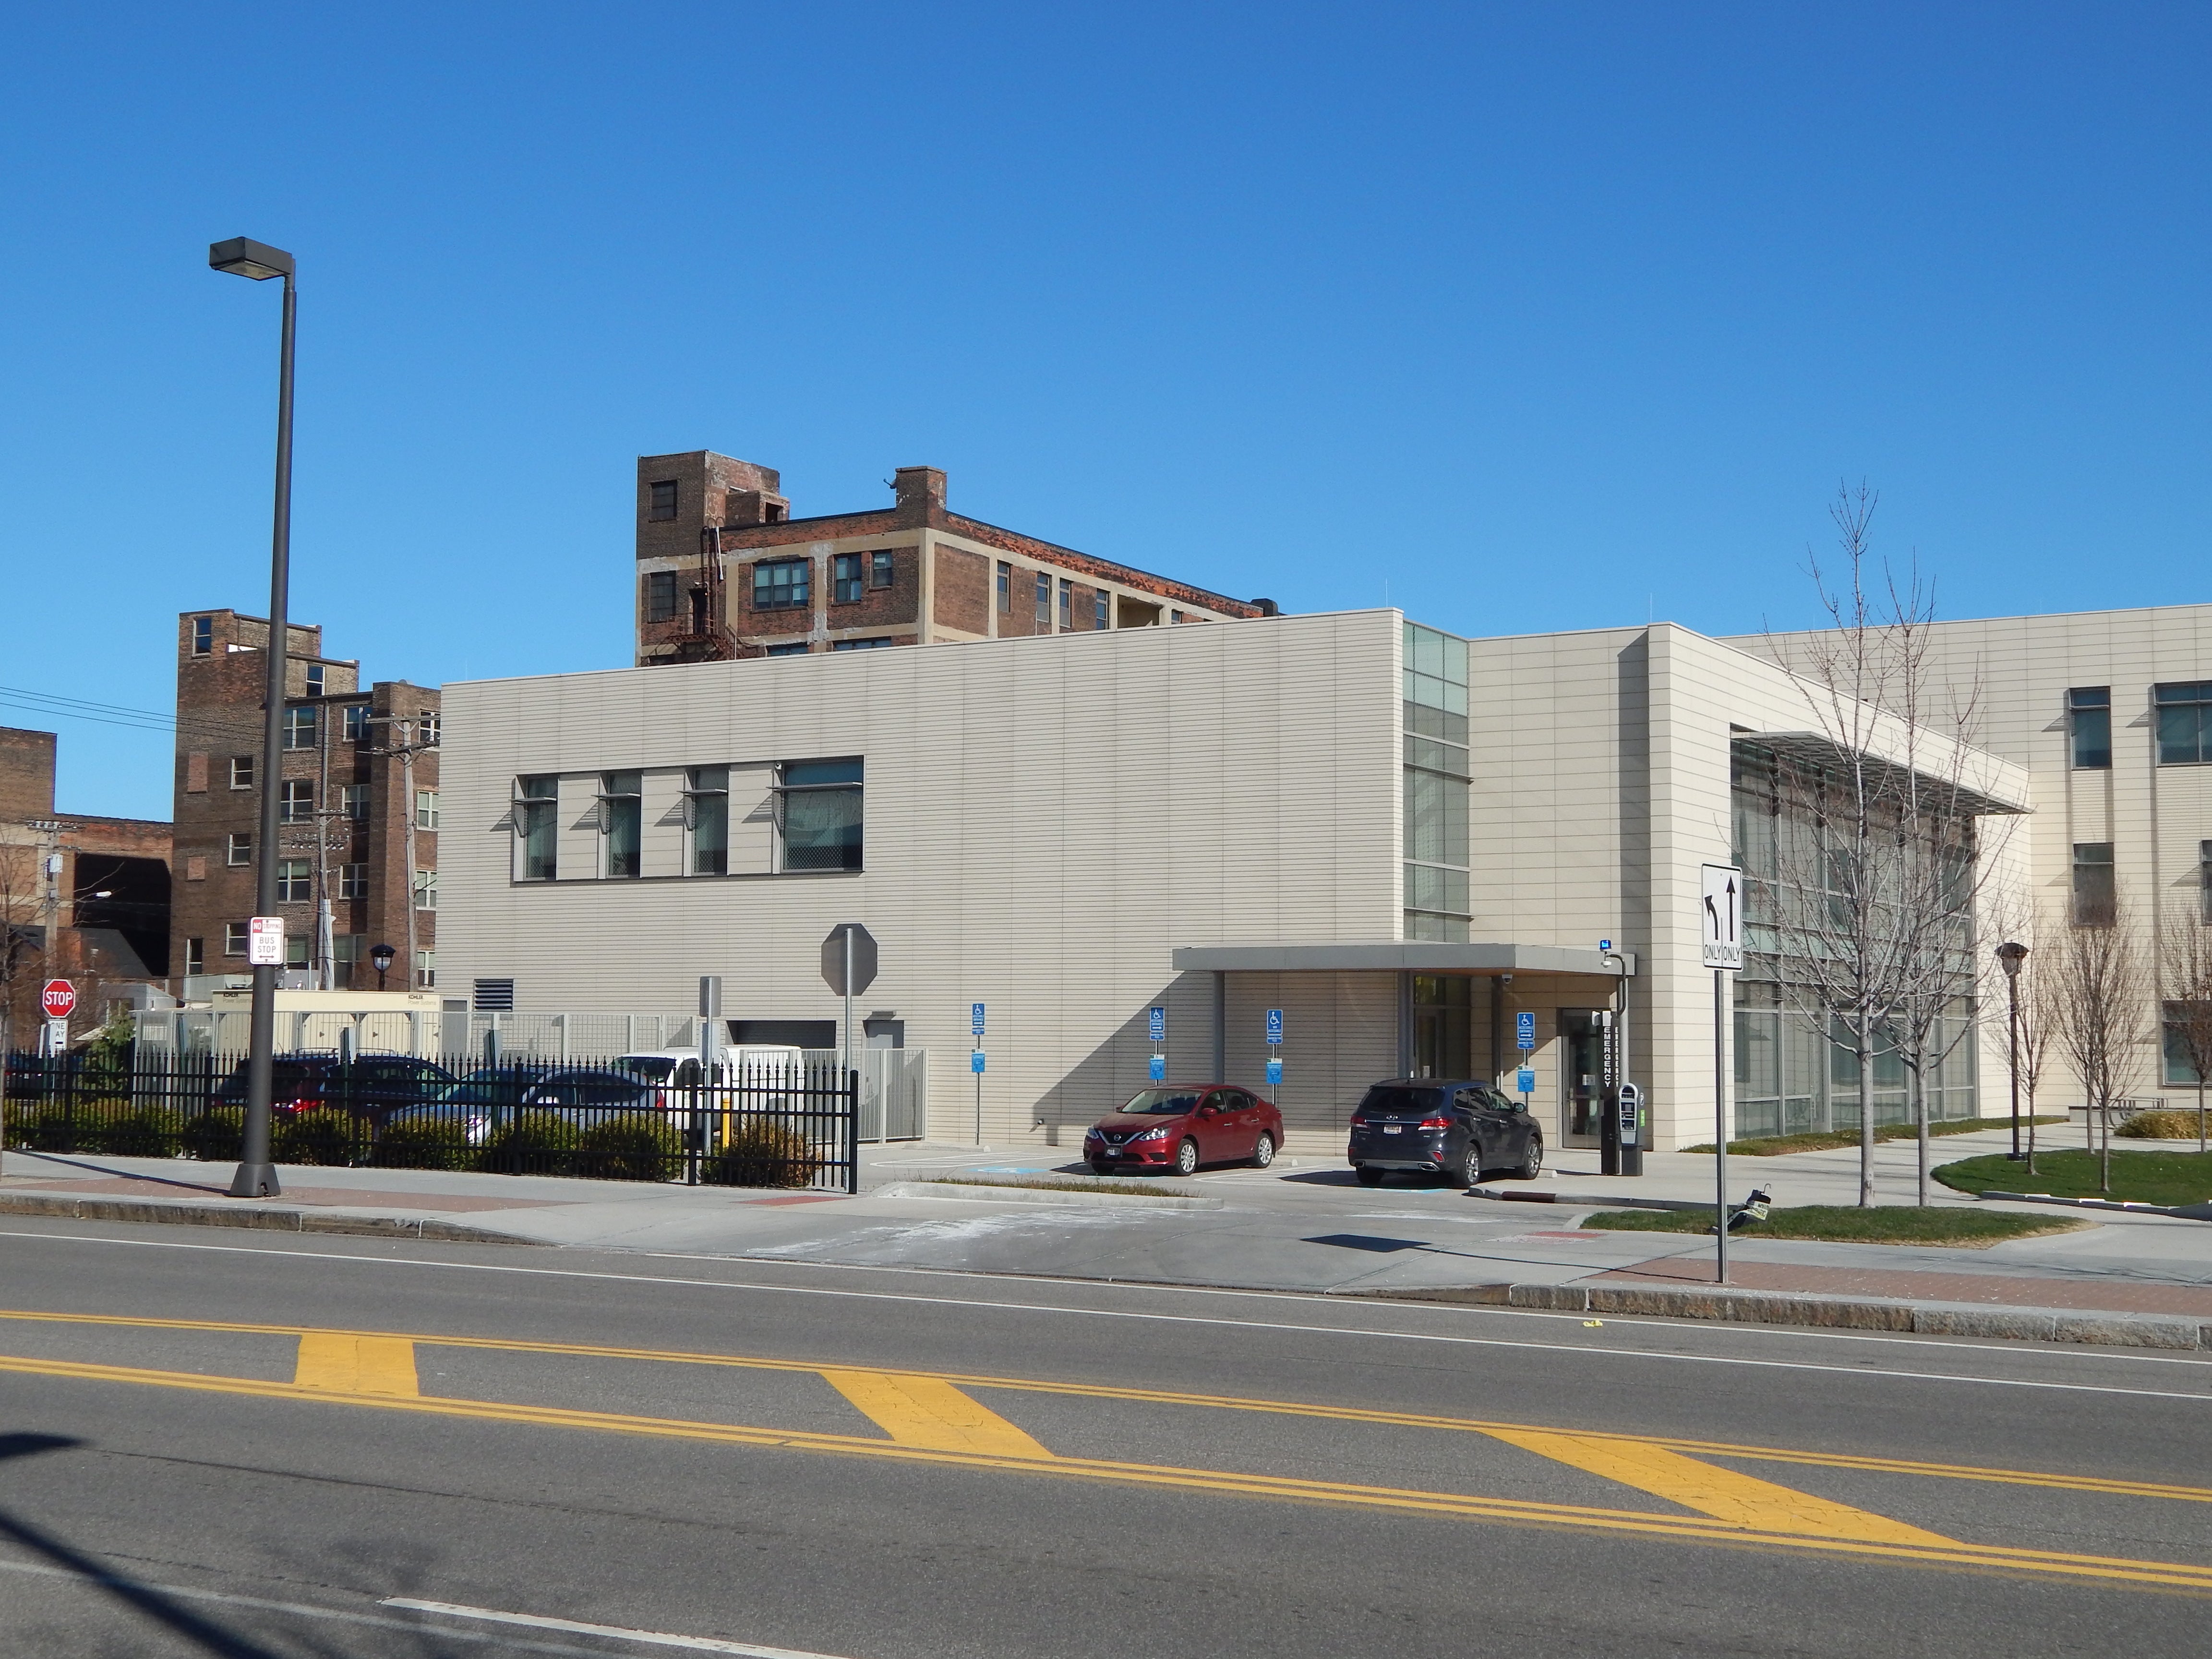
(706, 636)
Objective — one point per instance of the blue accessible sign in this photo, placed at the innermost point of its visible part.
(1524, 1082)
(1524, 1030)
(1274, 1072)
(976, 1061)
(1159, 1069)
(975, 1017)
(1160, 1023)
(1275, 1025)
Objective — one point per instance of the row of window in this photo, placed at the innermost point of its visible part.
(349, 958)
(295, 881)
(2183, 722)
(2095, 886)
(1045, 584)
(817, 821)
(296, 804)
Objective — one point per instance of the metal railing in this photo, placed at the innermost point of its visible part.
(784, 1125)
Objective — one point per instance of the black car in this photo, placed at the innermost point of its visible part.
(1456, 1128)
(372, 1086)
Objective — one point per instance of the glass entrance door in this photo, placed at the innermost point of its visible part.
(1581, 1075)
(1442, 1006)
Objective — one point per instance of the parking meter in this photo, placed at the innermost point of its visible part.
(1628, 1121)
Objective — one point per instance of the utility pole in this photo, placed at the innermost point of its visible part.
(410, 730)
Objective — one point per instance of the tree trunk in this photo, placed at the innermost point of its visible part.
(1920, 1092)
(2105, 1150)
(1866, 1117)
(2031, 1132)
(2200, 1112)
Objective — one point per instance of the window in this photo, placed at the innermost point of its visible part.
(2089, 715)
(233, 938)
(314, 679)
(203, 636)
(295, 881)
(859, 644)
(661, 499)
(2204, 880)
(1175, 617)
(880, 569)
(238, 848)
(1435, 684)
(353, 802)
(1043, 601)
(426, 970)
(426, 890)
(2096, 892)
(1098, 617)
(1067, 606)
(845, 572)
(353, 881)
(790, 648)
(2185, 723)
(300, 726)
(356, 729)
(241, 771)
(2175, 1032)
(346, 950)
(196, 956)
(427, 726)
(660, 595)
(425, 809)
(536, 830)
(297, 803)
(621, 821)
(818, 810)
(1006, 586)
(296, 950)
(782, 586)
(706, 818)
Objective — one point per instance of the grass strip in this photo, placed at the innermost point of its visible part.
(1894, 1224)
(2140, 1177)
(1137, 1189)
(1776, 1145)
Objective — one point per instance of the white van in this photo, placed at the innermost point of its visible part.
(746, 1066)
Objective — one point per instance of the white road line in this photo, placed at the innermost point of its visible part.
(612, 1632)
(137, 1589)
(1581, 1350)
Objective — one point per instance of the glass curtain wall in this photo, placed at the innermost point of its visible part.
(1789, 1079)
(1435, 785)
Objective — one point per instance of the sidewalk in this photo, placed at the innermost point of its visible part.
(1305, 1226)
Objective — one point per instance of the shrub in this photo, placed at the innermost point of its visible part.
(49, 1129)
(634, 1147)
(150, 1131)
(418, 1143)
(2158, 1125)
(762, 1155)
(535, 1143)
(217, 1134)
(318, 1137)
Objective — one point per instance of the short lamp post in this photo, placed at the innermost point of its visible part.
(257, 1177)
(2010, 956)
(380, 959)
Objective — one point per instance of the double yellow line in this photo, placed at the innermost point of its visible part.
(927, 1417)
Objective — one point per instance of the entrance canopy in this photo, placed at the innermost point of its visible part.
(1399, 956)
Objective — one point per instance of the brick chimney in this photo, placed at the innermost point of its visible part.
(921, 491)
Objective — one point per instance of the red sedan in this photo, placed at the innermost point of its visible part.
(1180, 1128)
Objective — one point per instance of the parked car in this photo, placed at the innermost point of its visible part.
(750, 1065)
(478, 1103)
(1179, 1128)
(1456, 1128)
(370, 1087)
(586, 1097)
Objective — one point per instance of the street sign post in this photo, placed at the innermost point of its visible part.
(1720, 933)
(848, 967)
(1155, 1021)
(1274, 1047)
(975, 1063)
(975, 1017)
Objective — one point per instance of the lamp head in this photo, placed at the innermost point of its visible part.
(2010, 955)
(242, 256)
(381, 957)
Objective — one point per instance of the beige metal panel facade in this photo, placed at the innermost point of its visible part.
(1046, 820)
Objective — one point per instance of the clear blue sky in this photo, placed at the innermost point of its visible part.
(1542, 316)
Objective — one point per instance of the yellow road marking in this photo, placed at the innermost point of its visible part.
(1722, 1494)
(2083, 1483)
(925, 1411)
(345, 1363)
(2170, 1575)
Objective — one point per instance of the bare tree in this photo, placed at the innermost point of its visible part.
(22, 948)
(2031, 1056)
(2098, 991)
(2185, 973)
(1875, 874)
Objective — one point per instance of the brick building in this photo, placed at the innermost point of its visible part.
(82, 897)
(360, 783)
(724, 571)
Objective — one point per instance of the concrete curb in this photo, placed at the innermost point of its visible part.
(1584, 1201)
(1834, 1313)
(2183, 1211)
(233, 1212)
(996, 1192)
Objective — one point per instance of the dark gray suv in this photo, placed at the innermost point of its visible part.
(1456, 1128)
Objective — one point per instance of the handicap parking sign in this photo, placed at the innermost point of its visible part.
(1274, 1072)
(1159, 1069)
(1524, 1082)
(1158, 1023)
(1524, 1030)
(1275, 1025)
(976, 1061)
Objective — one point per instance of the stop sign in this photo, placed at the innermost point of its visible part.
(59, 998)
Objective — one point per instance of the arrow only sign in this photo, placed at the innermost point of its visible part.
(1720, 915)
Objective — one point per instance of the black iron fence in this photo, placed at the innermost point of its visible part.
(779, 1122)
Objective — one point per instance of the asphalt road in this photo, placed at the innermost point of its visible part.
(218, 1443)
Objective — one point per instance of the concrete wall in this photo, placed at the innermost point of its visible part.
(1045, 821)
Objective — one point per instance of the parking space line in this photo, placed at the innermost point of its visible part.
(344, 1362)
(2164, 1575)
(928, 1411)
(1722, 1494)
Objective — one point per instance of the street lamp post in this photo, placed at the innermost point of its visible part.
(380, 959)
(257, 1175)
(2010, 956)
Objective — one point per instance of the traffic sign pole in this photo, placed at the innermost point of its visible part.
(1720, 931)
